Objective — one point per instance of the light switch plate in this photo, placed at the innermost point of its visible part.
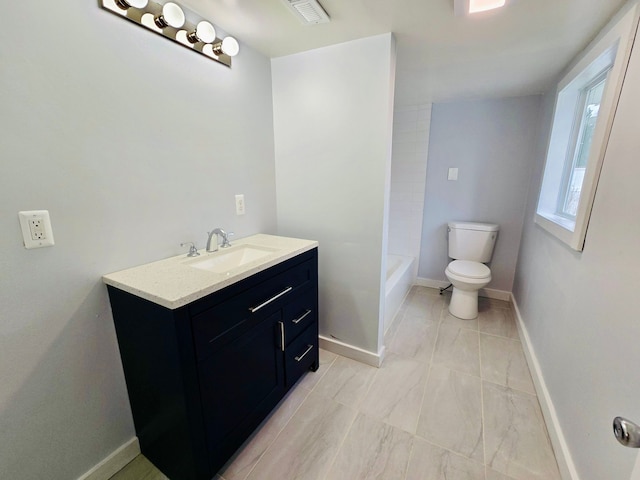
(36, 228)
(453, 174)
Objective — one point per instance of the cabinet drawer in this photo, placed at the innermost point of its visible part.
(299, 314)
(233, 315)
(302, 355)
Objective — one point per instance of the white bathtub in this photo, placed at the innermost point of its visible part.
(399, 282)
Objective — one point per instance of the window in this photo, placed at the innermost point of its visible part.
(584, 109)
(584, 124)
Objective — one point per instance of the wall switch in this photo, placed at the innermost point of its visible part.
(240, 204)
(453, 174)
(36, 228)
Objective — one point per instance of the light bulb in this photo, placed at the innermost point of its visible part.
(172, 16)
(204, 33)
(229, 46)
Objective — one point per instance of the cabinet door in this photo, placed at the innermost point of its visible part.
(240, 383)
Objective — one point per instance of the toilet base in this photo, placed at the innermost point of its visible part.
(464, 304)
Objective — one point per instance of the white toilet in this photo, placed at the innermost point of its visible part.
(470, 246)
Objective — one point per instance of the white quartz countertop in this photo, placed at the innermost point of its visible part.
(175, 282)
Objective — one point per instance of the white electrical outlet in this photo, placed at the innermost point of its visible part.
(240, 204)
(36, 228)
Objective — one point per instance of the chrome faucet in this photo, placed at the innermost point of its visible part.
(218, 232)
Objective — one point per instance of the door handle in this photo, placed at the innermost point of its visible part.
(626, 432)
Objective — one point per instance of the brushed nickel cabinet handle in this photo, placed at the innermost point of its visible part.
(281, 335)
(298, 320)
(300, 357)
(275, 297)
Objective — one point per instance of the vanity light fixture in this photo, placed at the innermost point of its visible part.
(172, 16)
(229, 46)
(176, 23)
(126, 4)
(204, 32)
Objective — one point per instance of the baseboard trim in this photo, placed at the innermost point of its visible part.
(115, 462)
(563, 455)
(483, 292)
(350, 351)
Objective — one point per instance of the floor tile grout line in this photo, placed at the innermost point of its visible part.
(277, 435)
(325, 372)
(344, 439)
(424, 392)
(416, 435)
(449, 450)
(517, 390)
(506, 385)
(499, 336)
(399, 321)
(424, 388)
(310, 390)
(484, 446)
(413, 446)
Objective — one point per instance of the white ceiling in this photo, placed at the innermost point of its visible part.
(516, 50)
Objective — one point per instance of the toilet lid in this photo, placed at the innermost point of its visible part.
(467, 268)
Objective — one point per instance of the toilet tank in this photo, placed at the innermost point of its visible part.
(472, 241)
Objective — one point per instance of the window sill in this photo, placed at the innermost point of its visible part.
(560, 227)
(561, 221)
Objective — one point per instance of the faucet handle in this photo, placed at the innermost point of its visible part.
(193, 251)
(225, 240)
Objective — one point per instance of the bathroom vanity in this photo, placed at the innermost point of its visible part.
(210, 344)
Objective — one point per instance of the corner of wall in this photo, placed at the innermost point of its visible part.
(352, 352)
(115, 462)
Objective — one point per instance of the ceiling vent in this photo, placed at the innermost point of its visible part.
(310, 12)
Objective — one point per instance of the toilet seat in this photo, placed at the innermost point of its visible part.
(467, 278)
(469, 269)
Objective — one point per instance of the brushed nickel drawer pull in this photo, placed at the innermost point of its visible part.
(300, 357)
(275, 297)
(298, 320)
(281, 335)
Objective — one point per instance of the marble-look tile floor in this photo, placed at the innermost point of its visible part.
(453, 400)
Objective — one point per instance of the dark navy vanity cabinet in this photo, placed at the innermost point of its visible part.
(202, 377)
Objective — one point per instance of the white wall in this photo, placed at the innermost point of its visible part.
(333, 112)
(408, 178)
(581, 309)
(133, 144)
(491, 143)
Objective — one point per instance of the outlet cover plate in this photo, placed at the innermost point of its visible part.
(36, 228)
(240, 209)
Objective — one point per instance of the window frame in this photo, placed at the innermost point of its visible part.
(575, 139)
(613, 45)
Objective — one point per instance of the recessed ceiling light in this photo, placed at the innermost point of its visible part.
(484, 5)
(466, 7)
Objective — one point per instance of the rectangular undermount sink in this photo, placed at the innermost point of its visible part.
(225, 260)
